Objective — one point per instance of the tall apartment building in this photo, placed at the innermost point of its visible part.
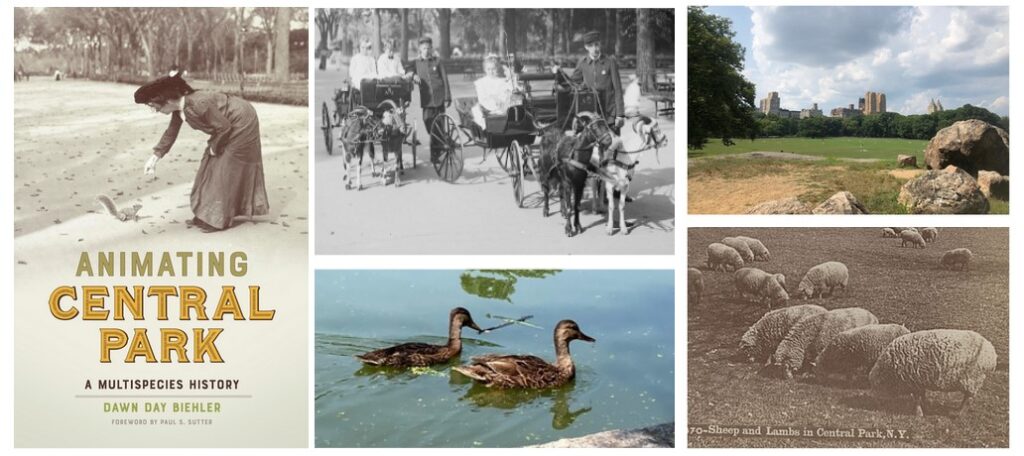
(874, 103)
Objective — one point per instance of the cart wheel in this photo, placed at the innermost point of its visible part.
(503, 158)
(516, 172)
(325, 125)
(450, 161)
(530, 160)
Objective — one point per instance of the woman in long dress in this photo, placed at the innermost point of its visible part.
(493, 93)
(230, 180)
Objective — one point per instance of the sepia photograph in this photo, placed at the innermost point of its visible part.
(848, 109)
(494, 358)
(458, 131)
(848, 337)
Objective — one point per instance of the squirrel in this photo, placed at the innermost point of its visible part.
(125, 214)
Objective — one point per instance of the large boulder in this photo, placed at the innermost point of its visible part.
(994, 185)
(950, 191)
(906, 160)
(790, 205)
(971, 145)
(841, 203)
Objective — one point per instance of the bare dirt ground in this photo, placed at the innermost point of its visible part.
(477, 214)
(70, 148)
(898, 285)
(734, 196)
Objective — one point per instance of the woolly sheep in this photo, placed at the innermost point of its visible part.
(913, 237)
(763, 337)
(761, 252)
(721, 256)
(828, 275)
(695, 285)
(855, 351)
(957, 257)
(930, 234)
(806, 339)
(888, 233)
(762, 285)
(741, 246)
(937, 359)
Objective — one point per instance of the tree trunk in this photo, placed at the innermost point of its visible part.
(551, 32)
(502, 34)
(618, 32)
(567, 37)
(404, 36)
(377, 31)
(444, 23)
(608, 44)
(238, 64)
(282, 44)
(644, 50)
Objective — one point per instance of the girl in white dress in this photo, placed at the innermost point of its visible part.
(493, 92)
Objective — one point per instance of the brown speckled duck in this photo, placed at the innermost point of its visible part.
(415, 354)
(524, 371)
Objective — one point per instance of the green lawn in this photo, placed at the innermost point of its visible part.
(842, 147)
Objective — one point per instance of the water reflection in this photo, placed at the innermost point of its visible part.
(499, 284)
(509, 399)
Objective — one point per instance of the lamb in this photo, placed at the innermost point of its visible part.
(888, 233)
(937, 359)
(854, 351)
(741, 246)
(957, 257)
(763, 337)
(761, 252)
(722, 256)
(930, 234)
(913, 237)
(806, 339)
(695, 285)
(828, 275)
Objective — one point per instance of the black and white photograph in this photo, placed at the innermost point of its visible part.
(464, 131)
(848, 337)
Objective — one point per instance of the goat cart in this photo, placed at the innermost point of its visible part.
(512, 136)
(378, 114)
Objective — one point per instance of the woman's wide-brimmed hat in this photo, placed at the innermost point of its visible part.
(163, 88)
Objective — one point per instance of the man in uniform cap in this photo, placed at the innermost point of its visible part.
(600, 73)
(435, 95)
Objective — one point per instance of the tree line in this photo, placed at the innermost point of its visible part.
(111, 42)
(528, 32)
(882, 125)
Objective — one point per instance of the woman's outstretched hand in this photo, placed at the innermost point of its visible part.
(150, 168)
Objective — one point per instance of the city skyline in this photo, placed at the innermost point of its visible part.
(833, 55)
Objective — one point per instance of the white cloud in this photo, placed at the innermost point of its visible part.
(833, 55)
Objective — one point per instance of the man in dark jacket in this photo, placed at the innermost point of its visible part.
(435, 94)
(600, 73)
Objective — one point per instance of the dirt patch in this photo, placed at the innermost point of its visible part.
(906, 174)
(735, 196)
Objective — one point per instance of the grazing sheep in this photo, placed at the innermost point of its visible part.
(761, 252)
(806, 339)
(854, 351)
(695, 285)
(722, 256)
(957, 257)
(937, 359)
(828, 275)
(741, 246)
(763, 337)
(930, 234)
(913, 237)
(761, 285)
(888, 233)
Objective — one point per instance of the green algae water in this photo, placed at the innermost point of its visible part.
(623, 381)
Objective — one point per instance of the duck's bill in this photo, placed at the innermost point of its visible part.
(472, 324)
(586, 337)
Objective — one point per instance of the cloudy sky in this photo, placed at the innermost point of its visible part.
(832, 55)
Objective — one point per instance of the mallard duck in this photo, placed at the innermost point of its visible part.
(524, 371)
(416, 354)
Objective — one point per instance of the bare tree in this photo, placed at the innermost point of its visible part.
(326, 22)
(644, 50)
(444, 25)
(282, 43)
(404, 36)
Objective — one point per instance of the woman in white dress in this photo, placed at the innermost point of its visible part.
(493, 92)
(362, 65)
(389, 65)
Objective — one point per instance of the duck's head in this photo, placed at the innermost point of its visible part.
(568, 330)
(460, 317)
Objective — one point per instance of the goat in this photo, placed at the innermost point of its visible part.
(394, 127)
(354, 136)
(565, 160)
(616, 165)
